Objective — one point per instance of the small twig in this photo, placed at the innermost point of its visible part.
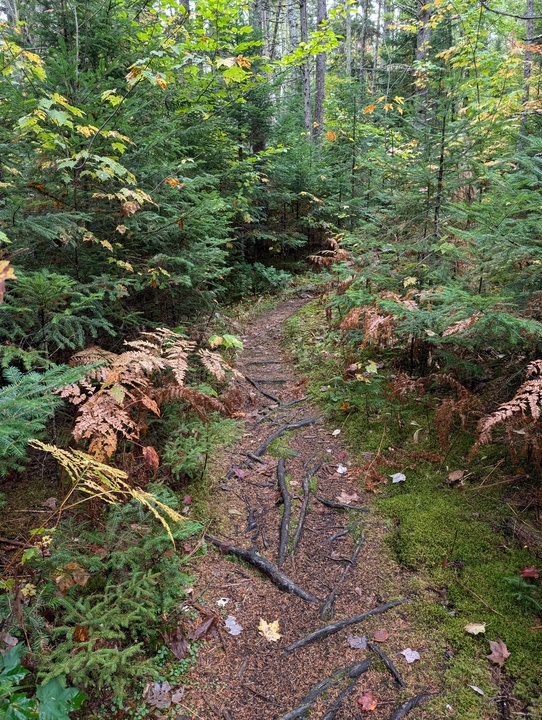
(7, 541)
(328, 607)
(328, 630)
(287, 502)
(342, 532)
(409, 705)
(340, 506)
(388, 663)
(285, 428)
(352, 672)
(255, 692)
(282, 581)
(477, 596)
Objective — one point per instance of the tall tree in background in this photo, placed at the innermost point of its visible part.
(320, 77)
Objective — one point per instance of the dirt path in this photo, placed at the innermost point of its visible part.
(246, 676)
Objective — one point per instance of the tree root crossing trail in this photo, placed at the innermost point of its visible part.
(293, 541)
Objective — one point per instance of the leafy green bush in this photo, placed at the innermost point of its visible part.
(52, 700)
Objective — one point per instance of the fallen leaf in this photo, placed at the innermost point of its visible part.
(72, 574)
(222, 602)
(233, 626)
(456, 476)
(187, 499)
(177, 696)
(475, 628)
(341, 469)
(357, 642)
(346, 499)
(80, 633)
(202, 628)
(499, 652)
(410, 655)
(51, 502)
(367, 702)
(158, 694)
(151, 458)
(477, 689)
(177, 643)
(8, 639)
(239, 472)
(270, 631)
(381, 635)
(529, 572)
(398, 477)
(336, 432)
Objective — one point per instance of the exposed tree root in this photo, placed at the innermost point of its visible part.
(287, 503)
(409, 705)
(282, 581)
(352, 672)
(332, 628)
(388, 663)
(285, 428)
(328, 608)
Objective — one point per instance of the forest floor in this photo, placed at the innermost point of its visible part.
(246, 676)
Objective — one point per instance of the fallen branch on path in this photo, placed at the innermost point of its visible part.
(340, 506)
(328, 608)
(409, 705)
(282, 581)
(304, 505)
(352, 672)
(388, 663)
(285, 428)
(328, 630)
(295, 402)
(254, 384)
(287, 502)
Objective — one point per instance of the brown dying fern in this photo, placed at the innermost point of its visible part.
(114, 399)
(524, 409)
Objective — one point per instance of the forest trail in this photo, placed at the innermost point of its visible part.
(246, 676)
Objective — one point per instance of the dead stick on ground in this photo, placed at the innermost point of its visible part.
(388, 663)
(282, 581)
(328, 610)
(7, 541)
(254, 384)
(342, 532)
(285, 428)
(304, 505)
(479, 598)
(409, 705)
(340, 506)
(352, 672)
(328, 630)
(287, 502)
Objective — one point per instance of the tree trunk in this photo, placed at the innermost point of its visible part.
(305, 70)
(423, 36)
(319, 87)
(377, 46)
(362, 69)
(292, 24)
(348, 21)
(527, 63)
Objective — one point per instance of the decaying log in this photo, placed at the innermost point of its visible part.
(332, 628)
(352, 672)
(282, 581)
(287, 503)
(328, 608)
(388, 663)
(285, 428)
(409, 705)
(340, 506)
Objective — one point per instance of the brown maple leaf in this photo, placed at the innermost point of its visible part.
(381, 635)
(499, 652)
(367, 702)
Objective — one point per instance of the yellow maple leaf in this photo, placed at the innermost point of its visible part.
(270, 631)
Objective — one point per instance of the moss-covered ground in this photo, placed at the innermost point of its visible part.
(448, 535)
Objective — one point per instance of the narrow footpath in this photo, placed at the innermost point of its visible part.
(308, 574)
